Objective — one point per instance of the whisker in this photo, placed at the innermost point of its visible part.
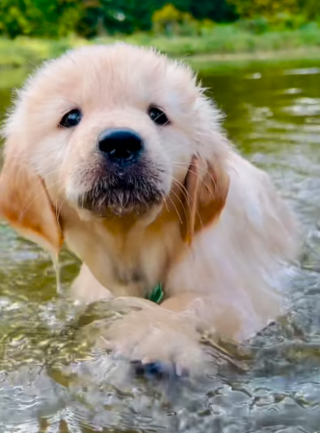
(176, 209)
(187, 199)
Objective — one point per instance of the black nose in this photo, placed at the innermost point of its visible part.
(120, 145)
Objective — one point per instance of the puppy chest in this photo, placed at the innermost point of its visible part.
(139, 273)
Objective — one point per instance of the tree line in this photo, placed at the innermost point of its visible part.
(91, 18)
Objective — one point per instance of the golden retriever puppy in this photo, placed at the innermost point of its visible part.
(116, 151)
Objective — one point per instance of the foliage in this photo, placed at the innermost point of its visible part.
(92, 18)
(265, 8)
(170, 21)
(52, 18)
(114, 16)
(278, 13)
(220, 11)
(310, 8)
(279, 22)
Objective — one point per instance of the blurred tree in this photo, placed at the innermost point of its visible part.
(311, 8)
(13, 21)
(49, 18)
(215, 10)
(166, 18)
(219, 11)
(115, 16)
(89, 18)
(171, 21)
(265, 8)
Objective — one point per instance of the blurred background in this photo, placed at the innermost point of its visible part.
(33, 30)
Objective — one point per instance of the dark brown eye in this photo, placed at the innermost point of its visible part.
(70, 119)
(158, 116)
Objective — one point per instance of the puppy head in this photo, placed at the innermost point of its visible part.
(111, 130)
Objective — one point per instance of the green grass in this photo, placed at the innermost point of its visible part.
(223, 41)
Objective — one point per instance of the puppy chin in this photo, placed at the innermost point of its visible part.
(115, 196)
(107, 204)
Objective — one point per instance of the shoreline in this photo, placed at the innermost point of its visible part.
(307, 53)
(28, 53)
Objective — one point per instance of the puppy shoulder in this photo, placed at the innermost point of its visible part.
(256, 206)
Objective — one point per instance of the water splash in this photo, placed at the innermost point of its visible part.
(57, 271)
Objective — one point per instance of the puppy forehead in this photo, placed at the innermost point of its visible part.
(118, 74)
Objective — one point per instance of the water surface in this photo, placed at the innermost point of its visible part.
(51, 382)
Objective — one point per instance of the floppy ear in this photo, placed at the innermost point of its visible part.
(205, 195)
(25, 204)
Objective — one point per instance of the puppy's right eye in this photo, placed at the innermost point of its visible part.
(70, 119)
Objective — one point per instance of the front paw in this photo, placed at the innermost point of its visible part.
(159, 343)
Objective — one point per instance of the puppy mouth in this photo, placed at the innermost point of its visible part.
(121, 192)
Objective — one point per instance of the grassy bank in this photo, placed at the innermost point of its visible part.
(225, 42)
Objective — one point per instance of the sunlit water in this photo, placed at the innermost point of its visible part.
(52, 381)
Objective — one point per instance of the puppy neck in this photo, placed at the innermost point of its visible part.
(127, 255)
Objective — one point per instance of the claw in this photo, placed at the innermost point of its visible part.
(158, 370)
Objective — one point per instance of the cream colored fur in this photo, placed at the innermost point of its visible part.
(223, 275)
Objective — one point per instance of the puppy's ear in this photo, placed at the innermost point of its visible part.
(25, 204)
(206, 186)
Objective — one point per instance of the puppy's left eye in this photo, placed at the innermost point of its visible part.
(70, 119)
(158, 116)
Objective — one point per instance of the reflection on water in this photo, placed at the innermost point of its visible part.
(52, 381)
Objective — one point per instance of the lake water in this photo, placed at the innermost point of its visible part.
(50, 380)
